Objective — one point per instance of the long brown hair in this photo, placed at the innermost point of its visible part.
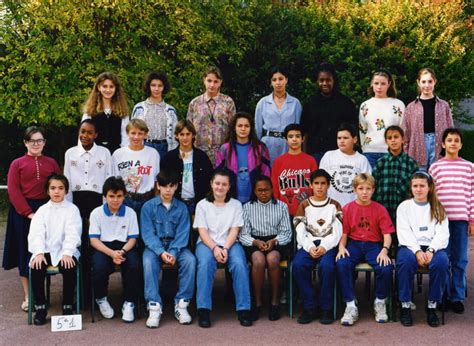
(392, 89)
(438, 212)
(94, 103)
(257, 145)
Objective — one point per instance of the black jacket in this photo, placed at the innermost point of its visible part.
(322, 116)
(202, 171)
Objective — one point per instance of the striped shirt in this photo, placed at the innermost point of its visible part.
(454, 180)
(263, 220)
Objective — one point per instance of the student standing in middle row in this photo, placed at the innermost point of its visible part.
(291, 171)
(138, 165)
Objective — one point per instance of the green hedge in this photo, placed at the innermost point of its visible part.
(51, 51)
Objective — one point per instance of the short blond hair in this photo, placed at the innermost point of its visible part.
(138, 124)
(363, 178)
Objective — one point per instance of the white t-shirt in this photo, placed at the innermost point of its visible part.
(187, 187)
(138, 168)
(343, 168)
(218, 219)
(109, 227)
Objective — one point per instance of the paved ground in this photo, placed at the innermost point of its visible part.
(14, 329)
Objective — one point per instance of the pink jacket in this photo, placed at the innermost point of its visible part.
(413, 127)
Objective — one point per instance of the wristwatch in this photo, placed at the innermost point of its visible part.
(430, 249)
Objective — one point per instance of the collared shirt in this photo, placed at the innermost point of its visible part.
(109, 227)
(56, 229)
(161, 119)
(165, 229)
(87, 170)
(392, 176)
(269, 117)
(211, 117)
(266, 219)
(218, 220)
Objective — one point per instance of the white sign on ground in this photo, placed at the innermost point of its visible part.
(66, 323)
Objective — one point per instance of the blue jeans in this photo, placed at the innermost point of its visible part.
(303, 265)
(161, 148)
(457, 252)
(362, 251)
(186, 273)
(103, 266)
(430, 149)
(373, 157)
(406, 270)
(206, 268)
(135, 205)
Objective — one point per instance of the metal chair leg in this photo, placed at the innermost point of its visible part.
(30, 299)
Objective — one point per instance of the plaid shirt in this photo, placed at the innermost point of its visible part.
(392, 176)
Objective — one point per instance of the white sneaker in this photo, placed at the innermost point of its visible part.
(380, 310)
(350, 316)
(127, 312)
(153, 320)
(105, 309)
(181, 312)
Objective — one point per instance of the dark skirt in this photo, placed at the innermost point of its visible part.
(284, 250)
(15, 252)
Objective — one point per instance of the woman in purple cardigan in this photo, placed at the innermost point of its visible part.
(244, 156)
(425, 120)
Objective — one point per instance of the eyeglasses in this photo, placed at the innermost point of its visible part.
(37, 141)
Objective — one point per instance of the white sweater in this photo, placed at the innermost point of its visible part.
(376, 114)
(415, 227)
(55, 229)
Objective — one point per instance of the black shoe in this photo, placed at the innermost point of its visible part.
(457, 307)
(245, 318)
(432, 318)
(405, 317)
(326, 317)
(40, 317)
(444, 307)
(274, 313)
(256, 313)
(67, 310)
(307, 316)
(204, 319)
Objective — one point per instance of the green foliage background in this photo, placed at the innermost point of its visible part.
(52, 50)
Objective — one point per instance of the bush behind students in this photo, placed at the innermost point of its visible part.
(113, 234)
(454, 181)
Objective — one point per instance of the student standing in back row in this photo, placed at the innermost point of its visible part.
(378, 113)
(107, 107)
(425, 120)
(159, 116)
(274, 112)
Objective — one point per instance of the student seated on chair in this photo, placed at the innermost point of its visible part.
(423, 236)
(266, 238)
(113, 234)
(366, 237)
(54, 238)
(218, 219)
(165, 225)
(318, 231)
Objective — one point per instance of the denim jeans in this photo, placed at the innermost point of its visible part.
(362, 251)
(161, 148)
(373, 157)
(207, 265)
(430, 149)
(406, 270)
(303, 265)
(457, 252)
(103, 266)
(135, 205)
(186, 273)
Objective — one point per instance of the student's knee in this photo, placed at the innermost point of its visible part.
(385, 270)
(273, 260)
(150, 260)
(258, 260)
(187, 260)
(439, 261)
